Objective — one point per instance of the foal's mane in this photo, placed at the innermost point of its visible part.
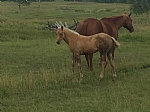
(72, 31)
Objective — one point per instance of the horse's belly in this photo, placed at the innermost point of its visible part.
(89, 51)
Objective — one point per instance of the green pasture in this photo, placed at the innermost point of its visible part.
(36, 73)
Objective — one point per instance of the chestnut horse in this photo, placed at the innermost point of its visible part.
(82, 45)
(110, 26)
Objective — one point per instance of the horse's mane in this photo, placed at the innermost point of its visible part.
(114, 17)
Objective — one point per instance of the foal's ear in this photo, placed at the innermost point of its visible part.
(130, 14)
(62, 28)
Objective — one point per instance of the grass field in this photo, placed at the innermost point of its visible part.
(36, 73)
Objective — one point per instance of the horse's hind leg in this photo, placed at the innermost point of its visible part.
(111, 60)
(100, 63)
(89, 61)
(104, 63)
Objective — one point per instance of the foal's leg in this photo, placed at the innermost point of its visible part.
(100, 63)
(79, 66)
(90, 60)
(111, 60)
(113, 51)
(73, 62)
(104, 63)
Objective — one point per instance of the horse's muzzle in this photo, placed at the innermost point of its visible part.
(132, 30)
(58, 42)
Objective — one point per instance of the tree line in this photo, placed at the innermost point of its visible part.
(100, 1)
(136, 6)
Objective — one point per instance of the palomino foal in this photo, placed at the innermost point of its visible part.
(81, 45)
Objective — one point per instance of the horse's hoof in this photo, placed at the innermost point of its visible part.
(114, 79)
(80, 80)
(100, 79)
(91, 69)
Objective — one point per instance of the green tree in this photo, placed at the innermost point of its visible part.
(141, 6)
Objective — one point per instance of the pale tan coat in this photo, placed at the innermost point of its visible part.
(81, 45)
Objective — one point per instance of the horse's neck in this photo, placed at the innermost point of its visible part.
(118, 21)
(69, 37)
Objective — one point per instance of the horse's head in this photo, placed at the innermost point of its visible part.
(59, 34)
(128, 22)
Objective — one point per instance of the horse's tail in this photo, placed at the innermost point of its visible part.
(115, 41)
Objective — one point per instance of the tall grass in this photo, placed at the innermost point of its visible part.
(36, 74)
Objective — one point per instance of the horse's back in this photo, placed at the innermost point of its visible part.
(89, 26)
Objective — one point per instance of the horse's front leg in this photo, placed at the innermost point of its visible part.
(104, 63)
(79, 66)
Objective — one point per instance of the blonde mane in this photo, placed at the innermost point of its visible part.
(72, 31)
(69, 30)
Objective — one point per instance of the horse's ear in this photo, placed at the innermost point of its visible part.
(62, 28)
(130, 14)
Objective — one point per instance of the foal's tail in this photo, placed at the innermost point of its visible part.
(115, 41)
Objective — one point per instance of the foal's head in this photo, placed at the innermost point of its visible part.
(59, 34)
(128, 22)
